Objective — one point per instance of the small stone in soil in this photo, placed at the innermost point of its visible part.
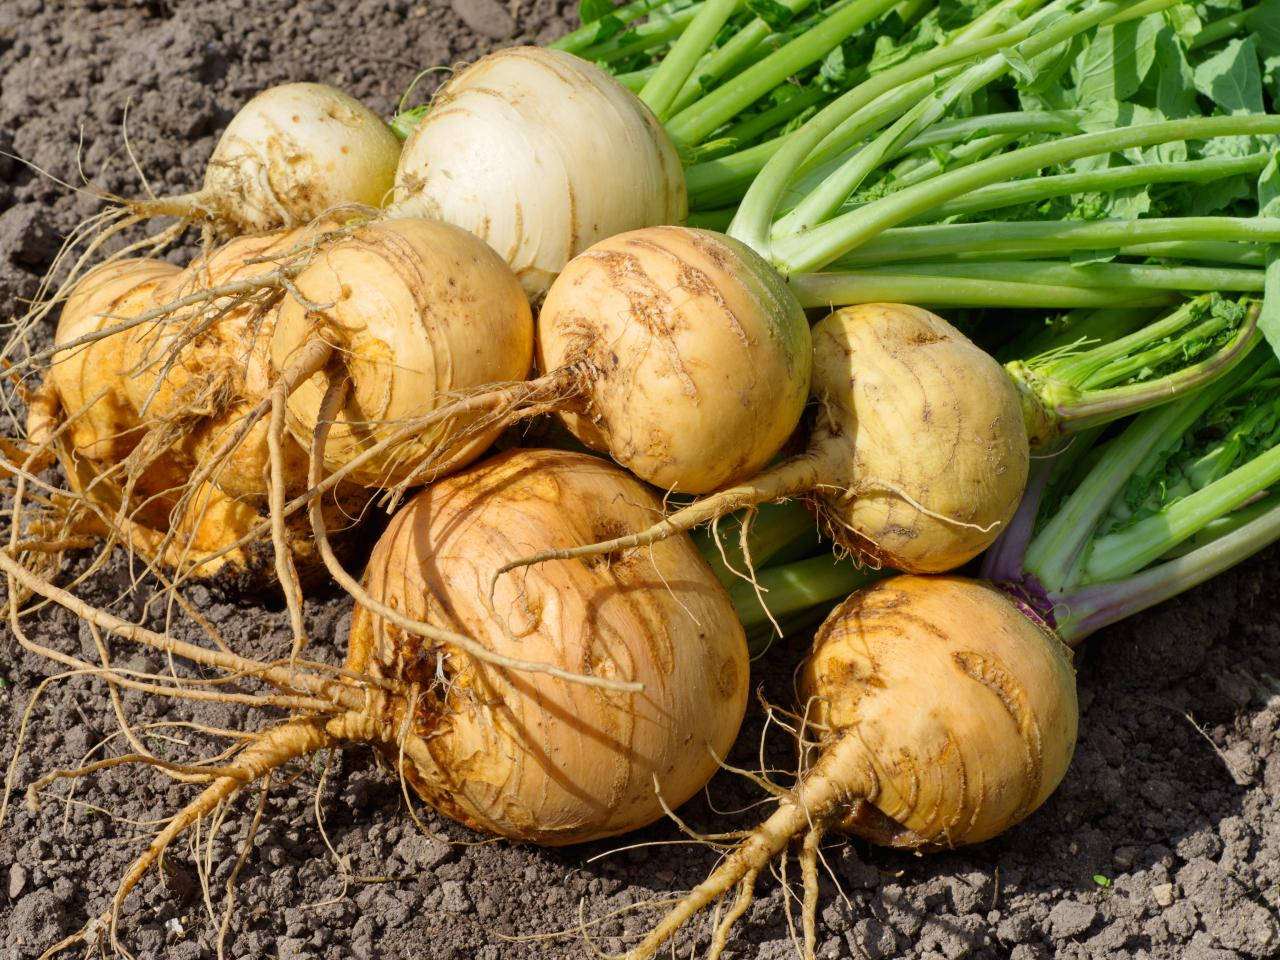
(17, 880)
(485, 17)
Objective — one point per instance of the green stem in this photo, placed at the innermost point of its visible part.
(1088, 399)
(1056, 273)
(796, 587)
(585, 36)
(828, 198)
(692, 125)
(756, 125)
(721, 181)
(1239, 254)
(636, 79)
(1220, 30)
(988, 124)
(935, 241)
(1031, 190)
(900, 87)
(1114, 363)
(772, 527)
(1056, 554)
(746, 167)
(830, 290)
(644, 37)
(663, 88)
(916, 169)
(1092, 608)
(1216, 529)
(813, 248)
(723, 60)
(1129, 550)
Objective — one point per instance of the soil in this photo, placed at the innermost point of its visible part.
(1164, 840)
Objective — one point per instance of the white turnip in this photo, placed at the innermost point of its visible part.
(541, 154)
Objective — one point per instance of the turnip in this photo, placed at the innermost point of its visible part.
(84, 416)
(293, 152)
(942, 716)
(411, 310)
(537, 759)
(539, 183)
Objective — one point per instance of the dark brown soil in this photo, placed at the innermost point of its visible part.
(1164, 841)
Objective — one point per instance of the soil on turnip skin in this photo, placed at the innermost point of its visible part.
(1164, 840)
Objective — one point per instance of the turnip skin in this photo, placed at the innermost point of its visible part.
(292, 153)
(924, 434)
(91, 378)
(87, 386)
(944, 716)
(698, 355)
(541, 154)
(413, 309)
(535, 758)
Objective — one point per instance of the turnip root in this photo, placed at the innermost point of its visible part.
(661, 620)
(543, 759)
(679, 352)
(291, 154)
(411, 310)
(943, 715)
(918, 456)
(541, 154)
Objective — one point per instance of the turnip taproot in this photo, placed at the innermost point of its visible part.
(539, 759)
(943, 716)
